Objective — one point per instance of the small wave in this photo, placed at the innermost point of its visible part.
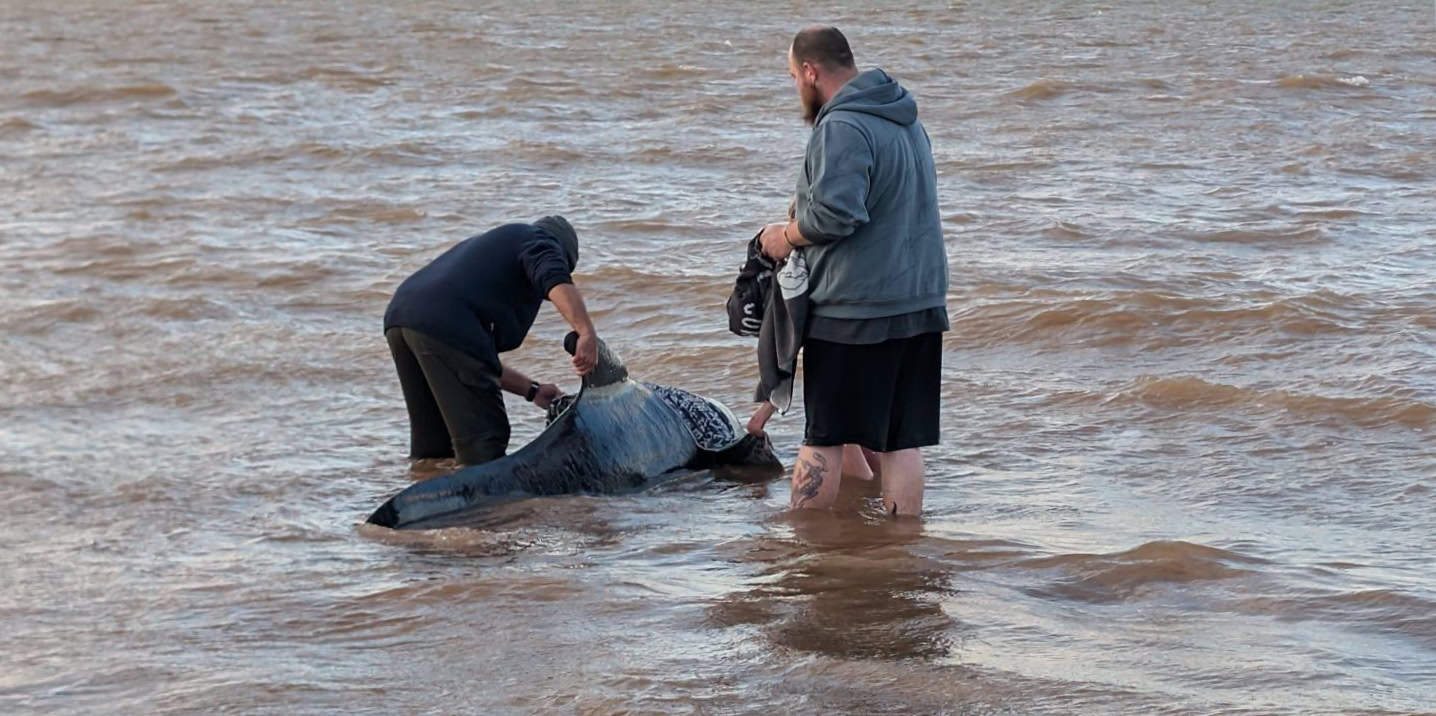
(425, 27)
(1319, 82)
(983, 552)
(982, 165)
(1048, 89)
(1164, 166)
(1387, 610)
(16, 125)
(1183, 393)
(318, 150)
(642, 226)
(349, 212)
(492, 112)
(623, 278)
(347, 77)
(545, 151)
(262, 155)
(184, 309)
(408, 154)
(1122, 576)
(93, 251)
(469, 541)
(672, 72)
(1126, 317)
(532, 89)
(1063, 230)
(1344, 54)
(292, 274)
(208, 163)
(83, 95)
(1105, 42)
(707, 154)
(1042, 90)
(1309, 234)
(41, 317)
(1332, 214)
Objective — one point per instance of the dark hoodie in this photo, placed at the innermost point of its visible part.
(867, 198)
(482, 295)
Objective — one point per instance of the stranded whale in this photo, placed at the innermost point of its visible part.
(616, 435)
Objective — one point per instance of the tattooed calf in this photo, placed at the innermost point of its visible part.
(808, 479)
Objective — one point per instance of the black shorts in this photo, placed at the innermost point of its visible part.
(883, 396)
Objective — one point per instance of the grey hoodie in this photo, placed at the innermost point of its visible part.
(867, 198)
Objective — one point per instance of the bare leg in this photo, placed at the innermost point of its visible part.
(817, 477)
(902, 482)
(854, 464)
(874, 462)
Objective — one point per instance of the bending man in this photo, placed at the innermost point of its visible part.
(447, 324)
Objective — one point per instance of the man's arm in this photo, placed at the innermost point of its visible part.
(515, 382)
(569, 302)
(548, 271)
(840, 168)
(841, 161)
(519, 384)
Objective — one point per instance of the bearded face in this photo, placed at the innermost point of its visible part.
(805, 80)
(811, 100)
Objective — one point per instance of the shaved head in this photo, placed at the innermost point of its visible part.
(820, 62)
(823, 45)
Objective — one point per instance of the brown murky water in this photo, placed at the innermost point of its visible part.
(1187, 452)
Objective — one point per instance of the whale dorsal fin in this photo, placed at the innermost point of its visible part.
(610, 368)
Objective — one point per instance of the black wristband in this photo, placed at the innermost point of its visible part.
(533, 391)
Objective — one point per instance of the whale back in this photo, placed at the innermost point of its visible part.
(615, 436)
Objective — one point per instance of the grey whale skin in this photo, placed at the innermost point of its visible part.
(616, 436)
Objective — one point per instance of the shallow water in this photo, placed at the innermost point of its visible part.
(1188, 401)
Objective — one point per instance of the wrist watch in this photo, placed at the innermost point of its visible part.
(533, 391)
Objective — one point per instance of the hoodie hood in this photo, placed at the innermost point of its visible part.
(874, 92)
(559, 228)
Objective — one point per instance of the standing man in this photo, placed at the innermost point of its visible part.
(448, 323)
(867, 221)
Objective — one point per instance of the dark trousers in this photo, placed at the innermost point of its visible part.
(455, 405)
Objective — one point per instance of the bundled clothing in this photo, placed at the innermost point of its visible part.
(747, 303)
(774, 296)
(784, 326)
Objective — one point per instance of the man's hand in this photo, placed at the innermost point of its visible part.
(585, 354)
(774, 245)
(547, 393)
(760, 418)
